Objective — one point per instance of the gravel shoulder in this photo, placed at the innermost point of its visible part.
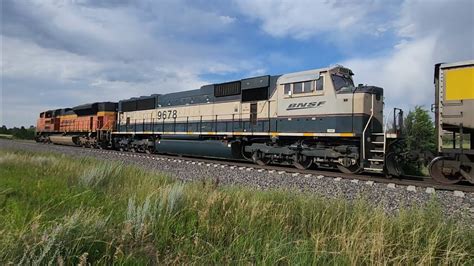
(391, 199)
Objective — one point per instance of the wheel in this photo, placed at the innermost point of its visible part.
(303, 162)
(259, 158)
(438, 173)
(392, 167)
(353, 169)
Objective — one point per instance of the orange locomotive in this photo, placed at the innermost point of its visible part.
(88, 125)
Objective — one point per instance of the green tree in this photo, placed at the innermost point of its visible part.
(419, 138)
(3, 130)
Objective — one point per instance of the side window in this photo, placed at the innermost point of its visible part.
(298, 87)
(308, 86)
(320, 84)
(287, 89)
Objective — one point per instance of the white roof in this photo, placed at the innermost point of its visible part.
(302, 75)
(458, 64)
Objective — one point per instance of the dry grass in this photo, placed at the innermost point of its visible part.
(59, 210)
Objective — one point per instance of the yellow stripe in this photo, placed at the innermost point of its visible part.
(67, 116)
(347, 134)
(273, 134)
(104, 113)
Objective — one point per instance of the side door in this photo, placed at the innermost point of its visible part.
(253, 116)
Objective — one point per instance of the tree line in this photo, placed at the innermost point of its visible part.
(18, 132)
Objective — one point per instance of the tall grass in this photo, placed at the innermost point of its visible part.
(61, 210)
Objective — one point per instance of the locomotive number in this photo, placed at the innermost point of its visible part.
(167, 114)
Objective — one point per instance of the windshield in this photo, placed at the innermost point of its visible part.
(341, 83)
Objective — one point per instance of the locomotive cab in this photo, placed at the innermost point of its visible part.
(326, 101)
(343, 123)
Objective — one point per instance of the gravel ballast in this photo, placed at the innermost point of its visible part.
(390, 197)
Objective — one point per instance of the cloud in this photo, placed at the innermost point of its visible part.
(406, 73)
(65, 53)
(419, 34)
(428, 34)
(302, 19)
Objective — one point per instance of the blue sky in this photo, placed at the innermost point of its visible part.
(64, 53)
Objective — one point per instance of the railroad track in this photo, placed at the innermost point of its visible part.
(416, 181)
(407, 180)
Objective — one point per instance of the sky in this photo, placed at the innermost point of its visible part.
(57, 54)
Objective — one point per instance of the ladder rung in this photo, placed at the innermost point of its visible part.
(377, 151)
(377, 142)
(374, 169)
(376, 160)
(378, 134)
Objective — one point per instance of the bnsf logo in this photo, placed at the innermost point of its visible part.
(297, 106)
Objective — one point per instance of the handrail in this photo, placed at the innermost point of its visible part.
(385, 126)
(366, 126)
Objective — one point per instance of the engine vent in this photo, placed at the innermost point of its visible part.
(227, 89)
(146, 104)
(258, 94)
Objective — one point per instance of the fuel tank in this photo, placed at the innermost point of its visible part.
(204, 148)
(64, 140)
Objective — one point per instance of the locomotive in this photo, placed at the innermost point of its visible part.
(314, 118)
(87, 125)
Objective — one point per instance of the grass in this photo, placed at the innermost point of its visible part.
(62, 210)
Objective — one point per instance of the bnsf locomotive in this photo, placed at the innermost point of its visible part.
(315, 118)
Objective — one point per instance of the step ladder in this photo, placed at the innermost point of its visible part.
(373, 148)
(376, 155)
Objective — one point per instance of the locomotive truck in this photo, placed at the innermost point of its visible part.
(314, 118)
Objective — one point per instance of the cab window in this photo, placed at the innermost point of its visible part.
(287, 89)
(341, 83)
(320, 83)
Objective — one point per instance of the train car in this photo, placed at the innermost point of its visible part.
(88, 125)
(314, 118)
(454, 120)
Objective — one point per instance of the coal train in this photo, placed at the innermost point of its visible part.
(315, 118)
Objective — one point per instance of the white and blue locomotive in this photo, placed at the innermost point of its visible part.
(311, 118)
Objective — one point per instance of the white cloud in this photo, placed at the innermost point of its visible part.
(63, 53)
(26, 59)
(58, 54)
(302, 19)
(406, 73)
(428, 34)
